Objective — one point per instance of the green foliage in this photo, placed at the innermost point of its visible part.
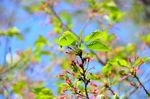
(65, 64)
(113, 65)
(93, 4)
(43, 93)
(40, 42)
(140, 61)
(115, 14)
(115, 96)
(64, 15)
(66, 39)
(39, 51)
(137, 13)
(146, 39)
(17, 87)
(78, 78)
(31, 9)
(108, 7)
(95, 77)
(61, 87)
(98, 41)
(12, 32)
(97, 45)
(57, 25)
(95, 35)
(119, 62)
(106, 70)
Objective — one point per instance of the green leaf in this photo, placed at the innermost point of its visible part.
(123, 62)
(65, 15)
(45, 52)
(137, 62)
(115, 96)
(19, 86)
(97, 35)
(97, 45)
(61, 87)
(106, 70)
(140, 61)
(66, 39)
(41, 96)
(2, 33)
(118, 62)
(115, 15)
(146, 59)
(19, 36)
(111, 37)
(146, 38)
(81, 47)
(40, 42)
(130, 48)
(46, 91)
(13, 31)
(36, 90)
(64, 64)
(43, 93)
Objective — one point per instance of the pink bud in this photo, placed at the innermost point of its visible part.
(132, 84)
(73, 74)
(68, 81)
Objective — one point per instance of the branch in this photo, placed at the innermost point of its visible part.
(146, 91)
(99, 60)
(84, 79)
(79, 94)
(58, 17)
(113, 93)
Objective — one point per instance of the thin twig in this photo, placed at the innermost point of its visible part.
(79, 94)
(146, 91)
(113, 93)
(98, 59)
(58, 17)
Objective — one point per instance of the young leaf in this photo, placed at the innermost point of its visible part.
(115, 96)
(101, 35)
(122, 62)
(66, 39)
(81, 47)
(40, 42)
(106, 70)
(146, 59)
(140, 61)
(95, 35)
(13, 31)
(36, 90)
(44, 52)
(97, 45)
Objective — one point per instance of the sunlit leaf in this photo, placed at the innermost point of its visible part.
(140, 61)
(66, 39)
(123, 62)
(106, 70)
(17, 87)
(40, 42)
(97, 46)
(101, 35)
